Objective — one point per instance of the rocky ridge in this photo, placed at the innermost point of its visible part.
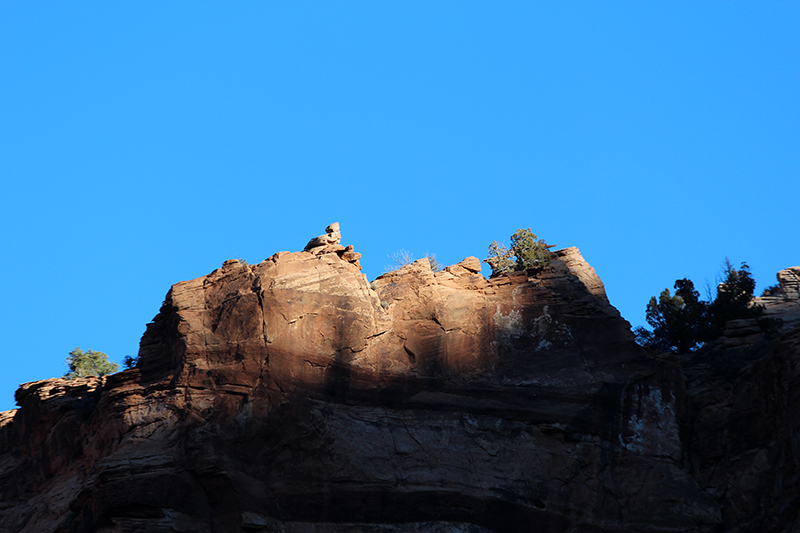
(784, 302)
(295, 396)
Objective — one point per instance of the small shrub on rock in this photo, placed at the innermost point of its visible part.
(530, 251)
(402, 258)
(527, 251)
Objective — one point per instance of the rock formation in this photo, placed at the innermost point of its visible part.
(295, 396)
(326, 243)
(329, 243)
(784, 302)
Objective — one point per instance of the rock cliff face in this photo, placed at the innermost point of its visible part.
(745, 398)
(784, 302)
(295, 396)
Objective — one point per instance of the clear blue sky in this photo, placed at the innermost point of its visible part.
(144, 143)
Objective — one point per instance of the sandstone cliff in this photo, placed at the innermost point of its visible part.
(295, 396)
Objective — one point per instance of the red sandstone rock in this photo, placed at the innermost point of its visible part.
(295, 396)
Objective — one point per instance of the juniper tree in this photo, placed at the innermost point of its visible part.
(89, 363)
(527, 250)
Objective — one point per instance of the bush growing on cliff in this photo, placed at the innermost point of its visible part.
(772, 290)
(436, 266)
(527, 250)
(89, 363)
(530, 251)
(499, 258)
(402, 258)
(681, 323)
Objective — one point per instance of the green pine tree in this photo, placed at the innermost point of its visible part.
(89, 363)
(683, 322)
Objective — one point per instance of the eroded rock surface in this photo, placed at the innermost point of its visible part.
(745, 433)
(295, 396)
(745, 398)
(784, 303)
(326, 243)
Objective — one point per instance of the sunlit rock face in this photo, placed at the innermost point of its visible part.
(296, 396)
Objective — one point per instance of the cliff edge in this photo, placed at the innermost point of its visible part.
(296, 396)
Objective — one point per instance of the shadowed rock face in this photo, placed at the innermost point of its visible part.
(745, 434)
(295, 396)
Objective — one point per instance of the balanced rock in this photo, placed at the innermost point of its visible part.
(327, 243)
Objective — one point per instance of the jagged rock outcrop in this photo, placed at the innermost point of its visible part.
(326, 243)
(784, 302)
(781, 306)
(295, 396)
(329, 243)
(583, 271)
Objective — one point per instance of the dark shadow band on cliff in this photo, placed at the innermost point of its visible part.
(554, 410)
(293, 392)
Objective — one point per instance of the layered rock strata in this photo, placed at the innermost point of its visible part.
(784, 302)
(295, 396)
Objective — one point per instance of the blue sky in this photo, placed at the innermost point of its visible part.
(144, 143)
